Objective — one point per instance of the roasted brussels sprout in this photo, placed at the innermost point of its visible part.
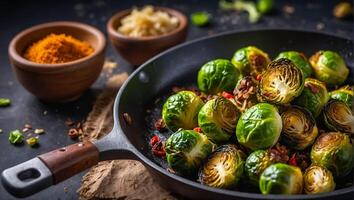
(217, 76)
(259, 127)
(281, 82)
(250, 61)
(218, 118)
(186, 149)
(181, 110)
(299, 128)
(337, 116)
(313, 97)
(318, 179)
(245, 93)
(223, 168)
(344, 94)
(299, 60)
(329, 67)
(334, 151)
(257, 162)
(281, 178)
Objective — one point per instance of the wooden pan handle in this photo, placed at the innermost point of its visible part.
(68, 161)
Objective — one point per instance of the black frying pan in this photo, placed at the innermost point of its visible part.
(177, 66)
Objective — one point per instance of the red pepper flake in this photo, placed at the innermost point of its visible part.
(154, 140)
(292, 160)
(259, 77)
(227, 95)
(197, 129)
(157, 146)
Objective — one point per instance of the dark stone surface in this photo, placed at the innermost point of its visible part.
(17, 15)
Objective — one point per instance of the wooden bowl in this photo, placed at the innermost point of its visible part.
(137, 50)
(58, 82)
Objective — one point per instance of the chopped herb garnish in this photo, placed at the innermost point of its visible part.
(4, 102)
(16, 137)
(200, 18)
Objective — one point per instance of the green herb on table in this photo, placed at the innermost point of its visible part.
(16, 137)
(4, 102)
(200, 18)
(33, 141)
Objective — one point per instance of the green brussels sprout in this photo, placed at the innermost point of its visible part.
(257, 162)
(299, 59)
(318, 179)
(217, 76)
(344, 94)
(313, 97)
(281, 82)
(259, 127)
(334, 151)
(337, 116)
(299, 128)
(329, 67)
(223, 168)
(181, 110)
(186, 149)
(245, 93)
(217, 119)
(281, 178)
(250, 61)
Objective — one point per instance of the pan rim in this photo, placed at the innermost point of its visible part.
(146, 161)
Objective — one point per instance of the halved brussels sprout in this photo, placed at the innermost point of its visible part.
(257, 162)
(217, 76)
(281, 179)
(245, 93)
(318, 179)
(281, 82)
(223, 168)
(259, 127)
(338, 117)
(250, 61)
(218, 118)
(299, 59)
(329, 67)
(344, 94)
(313, 97)
(334, 151)
(299, 128)
(186, 149)
(181, 110)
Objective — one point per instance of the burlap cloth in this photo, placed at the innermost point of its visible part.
(117, 179)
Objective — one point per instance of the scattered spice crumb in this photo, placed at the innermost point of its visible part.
(32, 141)
(109, 66)
(25, 130)
(39, 131)
(73, 133)
(0, 130)
(45, 112)
(65, 189)
(320, 26)
(127, 118)
(343, 10)
(29, 126)
(289, 10)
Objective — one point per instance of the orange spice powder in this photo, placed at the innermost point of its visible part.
(58, 48)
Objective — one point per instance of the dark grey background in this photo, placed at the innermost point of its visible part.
(18, 15)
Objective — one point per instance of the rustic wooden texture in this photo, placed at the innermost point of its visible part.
(68, 161)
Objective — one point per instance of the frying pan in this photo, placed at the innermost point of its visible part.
(177, 66)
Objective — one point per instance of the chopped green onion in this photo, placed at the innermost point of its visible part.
(4, 102)
(200, 18)
(16, 137)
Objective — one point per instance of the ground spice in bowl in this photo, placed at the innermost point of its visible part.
(58, 48)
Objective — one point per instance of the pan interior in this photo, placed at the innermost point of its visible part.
(143, 96)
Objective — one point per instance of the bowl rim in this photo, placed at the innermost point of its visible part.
(182, 19)
(102, 43)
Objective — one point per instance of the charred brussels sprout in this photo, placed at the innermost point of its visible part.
(259, 127)
(338, 117)
(250, 61)
(334, 151)
(281, 82)
(313, 97)
(281, 179)
(217, 76)
(318, 179)
(245, 93)
(217, 119)
(329, 67)
(257, 162)
(186, 149)
(344, 94)
(181, 110)
(223, 168)
(299, 128)
(299, 60)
